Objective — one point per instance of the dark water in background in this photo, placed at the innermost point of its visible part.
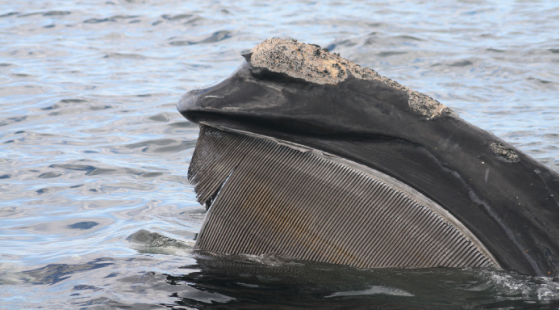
(94, 155)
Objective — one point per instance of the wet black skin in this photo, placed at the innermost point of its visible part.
(510, 207)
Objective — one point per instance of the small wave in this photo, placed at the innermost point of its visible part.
(72, 101)
(460, 63)
(9, 14)
(407, 38)
(161, 146)
(376, 289)
(56, 13)
(390, 53)
(11, 120)
(215, 37)
(176, 17)
(160, 117)
(109, 19)
(49, 175)
(125, 56)
(70, 227)
(510, 284)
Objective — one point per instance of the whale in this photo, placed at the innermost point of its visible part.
(304, 154)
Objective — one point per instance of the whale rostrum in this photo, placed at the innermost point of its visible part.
(306, 155)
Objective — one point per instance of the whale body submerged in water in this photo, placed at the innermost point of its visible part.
(306, 155)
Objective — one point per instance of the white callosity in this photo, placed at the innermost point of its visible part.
(313, 64)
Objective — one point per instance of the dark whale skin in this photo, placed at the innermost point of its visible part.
(510, 206)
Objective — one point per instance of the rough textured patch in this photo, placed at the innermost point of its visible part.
(316, 65)
(505, 152)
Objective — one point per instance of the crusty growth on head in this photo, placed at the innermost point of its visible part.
(505, 152)
(311, 63)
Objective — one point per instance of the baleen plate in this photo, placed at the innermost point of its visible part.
(268, 198)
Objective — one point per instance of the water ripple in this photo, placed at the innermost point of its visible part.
(93, 150)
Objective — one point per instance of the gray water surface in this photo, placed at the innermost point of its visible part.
(95, 207)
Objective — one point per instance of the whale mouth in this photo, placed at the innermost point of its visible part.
(269, 196)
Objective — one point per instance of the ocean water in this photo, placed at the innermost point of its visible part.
(96, 211)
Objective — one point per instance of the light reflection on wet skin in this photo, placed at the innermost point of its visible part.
(93, 151)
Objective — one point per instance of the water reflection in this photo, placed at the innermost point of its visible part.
(254, 281)
(257, 282)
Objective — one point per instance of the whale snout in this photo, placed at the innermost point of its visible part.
(188, 101)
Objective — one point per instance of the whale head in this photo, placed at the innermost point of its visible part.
(306, 155)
